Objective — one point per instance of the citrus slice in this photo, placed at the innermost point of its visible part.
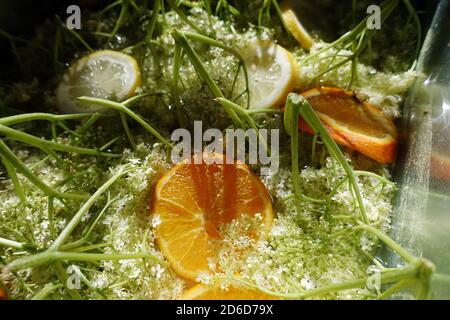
(440, 166)
(205, 292)
(272, 74)
(103, 74)
(355, 124)
(294, 26)
(193, 202)
(2, 294)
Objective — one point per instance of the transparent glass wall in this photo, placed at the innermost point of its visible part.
(422, 217)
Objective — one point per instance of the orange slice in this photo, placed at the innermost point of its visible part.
(2, 294)
(355, 124)
(193, 203)
(440, 166)
(205, 292)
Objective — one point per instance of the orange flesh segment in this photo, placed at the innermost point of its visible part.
(352, 123)
(205, 292)
(193, 202)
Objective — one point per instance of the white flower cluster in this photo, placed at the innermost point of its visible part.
(128, 227)
(302, 252)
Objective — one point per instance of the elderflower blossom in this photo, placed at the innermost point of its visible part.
(299, 253)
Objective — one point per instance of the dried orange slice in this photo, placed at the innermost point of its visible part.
(355, 124)
(205, 292)
(194, 201)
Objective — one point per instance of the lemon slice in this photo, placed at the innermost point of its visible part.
(295, 26)
(103, 74)
(272, 74)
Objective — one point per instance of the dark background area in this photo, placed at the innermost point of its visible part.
(21, 17)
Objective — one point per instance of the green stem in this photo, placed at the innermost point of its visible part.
(45, 144)
(236, 53)
(88, 123)
(181, 39)
(30, 261)
(88, 230)
(133, 100)
(20, 118)
(359, 33)
(51, 209)
(280, 16)
(185, 18)
(49, 256)
(389, 242)
(122, 108)
(123, 117)
(416, 18)
(396, 288)
(110, 6)
(46, 291)
(120, 20)
(265, 7)
(291, 125)
(310, 116)
(93, 257)
(408, 272)
(15, 179)
(65, 234)
(62, 276)
(75, 35)
(91, 247)
(20, 166)
(265, 111)
(11, 243)
(439, 277)
(230, 105)
(373, 175)
(153, 19)
(178, 55)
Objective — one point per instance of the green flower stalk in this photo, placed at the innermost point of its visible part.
(296, 105)
(417, 270)
(55, 251)
(121, 107)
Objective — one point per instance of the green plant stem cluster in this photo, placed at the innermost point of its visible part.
(59, 250)
(360, 38)
(416, 270)
(14, 165)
